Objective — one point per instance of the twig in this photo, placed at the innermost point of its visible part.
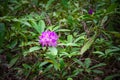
(86, 29)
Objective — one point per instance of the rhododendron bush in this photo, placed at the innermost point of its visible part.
(59, 40)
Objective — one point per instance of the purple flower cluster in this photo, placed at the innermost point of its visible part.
(90, 11)
(48, 38)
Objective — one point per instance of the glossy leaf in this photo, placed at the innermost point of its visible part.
(87, 45)
(79, 62)
(87, 62)
(26, 66)
(41, 26)
(32, 49)
(38, 27)
(13, 61)
(53, 50)
(69, 38)
(53, 61)
(98, 65)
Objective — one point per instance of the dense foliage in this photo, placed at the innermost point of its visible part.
(59, 40)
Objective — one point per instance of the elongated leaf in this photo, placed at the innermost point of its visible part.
(26, 66)
(41, 26)
(62, 30)
(98, 65)
(38, 27)
(108, 51)
(77, 71)
(34, 24)
(87, 62)
(116, 34)
(53, 50)
(87, 45)
(79, 62)
(2, 33)
(104, 20)
(98, 52)
(42, 64)
(32, 49)
(111, 77)
(68, 44)
(13, 61)
(48, 68)
(70, 38)
(48, 4)
(26, 23)
(56, 28)
(12, 44)
(79, 38)
(53, 61)
(62, 64)
(98, 71)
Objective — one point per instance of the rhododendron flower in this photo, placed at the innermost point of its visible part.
(90, 11)
(48, 38)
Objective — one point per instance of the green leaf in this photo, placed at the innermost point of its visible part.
(72, 54)
(104, 20)
(38, 27)
(25, 53)
(99, 52)
(26, 66)
(34, 2)
(62, 30)
(2, 33)
(56, 28)
(77, 71)
(53, 50)
(62, 64)
(69, 79)
(71, 44)
(116, 34)
(32, 49)
(26, 23)
(68, 44)
(87, 62)
(108, 51)
(82, 37)
(48, 4)
(111, 8)
(69, 38)
(48, 68)
(98, 65)
(53, 61)
(98, 71)
(41, 26)
(88, 70)
(79, 62)
(12, 44)
(42, 64)
(13, 61)
(64, 3)
(87, 45)
(111, 77)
